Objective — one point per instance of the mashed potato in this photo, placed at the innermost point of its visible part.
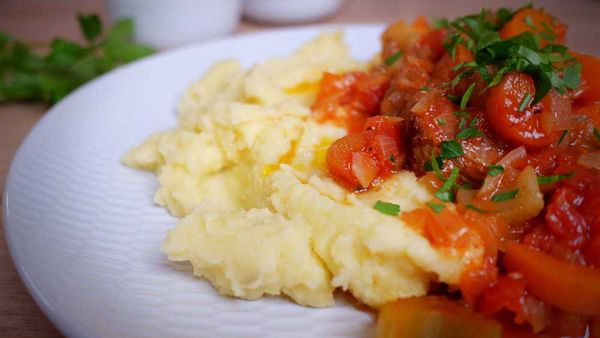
(245, 170)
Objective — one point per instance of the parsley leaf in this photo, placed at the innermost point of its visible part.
(91, 26)
(441, 121)
(392, 59)
(549, 63)
(436, 207)
(562, 137)
(452, 97)
(473, 207)
(597, 134)
(461, 114)
(467, 96)
(525, 102)
(553, 178)
(495, 170)
(29, 76)
(451, 149)
(504, 196)
(434, 165)
(387, 208)
(444, 193)
(469, 132)
(571, 77)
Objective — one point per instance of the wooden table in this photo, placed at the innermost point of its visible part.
(41, 20)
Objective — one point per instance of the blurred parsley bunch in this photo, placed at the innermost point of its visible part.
(27, 76)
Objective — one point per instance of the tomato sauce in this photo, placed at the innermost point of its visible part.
(529, 182)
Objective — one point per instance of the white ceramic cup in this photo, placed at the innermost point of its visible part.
(289, 11)
(170, 23)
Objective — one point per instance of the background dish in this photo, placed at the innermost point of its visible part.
(83, 231)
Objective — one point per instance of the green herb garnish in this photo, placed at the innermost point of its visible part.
(553, 178)
(505, 196)
(529, 22)
(424, 88)
(562, 137)
(392, 158)
(445, 193)
(469, 132)
(452, 97)
(467, 96)
(451, 149)
(25, 75)
(461, 114)
(387, 208)
(392, 59)
(525, 102)
(441, 121)
(495, 170)
(597, 134)
(434, 165)
(472, 207)
(551, 66)
(436, 207)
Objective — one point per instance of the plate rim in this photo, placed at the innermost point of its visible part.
(59, 323)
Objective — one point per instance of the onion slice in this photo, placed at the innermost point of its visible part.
(590, 160)
(364, 168)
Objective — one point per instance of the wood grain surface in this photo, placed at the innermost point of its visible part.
(41, 20)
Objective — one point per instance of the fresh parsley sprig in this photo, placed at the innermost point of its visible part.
(551, 66)
(387, 208)
(29, 76)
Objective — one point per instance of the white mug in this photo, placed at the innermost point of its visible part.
(169, 23)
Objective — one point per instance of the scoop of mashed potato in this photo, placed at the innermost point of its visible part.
(244, 168)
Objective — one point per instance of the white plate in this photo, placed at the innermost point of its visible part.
(83, 231)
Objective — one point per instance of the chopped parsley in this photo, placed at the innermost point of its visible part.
(525, 102)
(392, 59)
(495, 170)
(436, 207)
(468, 132)
(424, 88)
(392, 158)
(461, 114)
(434, 165)
(441, 121)
(387, 208)
(563, 135)
(451, 149)
(452, 97)
(550, 65)
(529, 22)
(597, 134)
(445, 193)
(467, 96)
(472, 207)
(553, 178)
(505, 196)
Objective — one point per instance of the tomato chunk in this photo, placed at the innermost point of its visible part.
(569, 287)
(339, 159)
(508, 293)
(533, 20)
(590, 75)
(503, 103)
(349, 99)
(356, 160)
(565, 221)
